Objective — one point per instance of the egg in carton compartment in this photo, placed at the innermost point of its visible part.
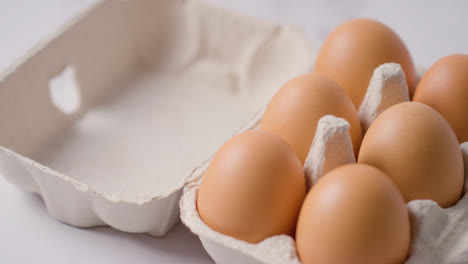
(438, 235)
(106, 119)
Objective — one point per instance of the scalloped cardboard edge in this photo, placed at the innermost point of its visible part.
(237, 51)
(387, 87)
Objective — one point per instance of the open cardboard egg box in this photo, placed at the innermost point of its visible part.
(438, 235)
(107, 119)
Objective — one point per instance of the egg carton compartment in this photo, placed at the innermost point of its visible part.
(108, 118)
(437, 235)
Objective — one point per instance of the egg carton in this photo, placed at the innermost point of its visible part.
(106, 119)
(437, 235)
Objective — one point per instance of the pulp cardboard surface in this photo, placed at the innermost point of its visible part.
(108, 118)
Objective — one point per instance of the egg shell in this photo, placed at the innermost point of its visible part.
(444, 87)
(416, 147)
(354, 49)
(354, 214)
(294, 111)
(253, 188)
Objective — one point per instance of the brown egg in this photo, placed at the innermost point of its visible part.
(444, 87)
(253, 188)
(354, 49)
(354, 214)
(294, 111)
(416, 147)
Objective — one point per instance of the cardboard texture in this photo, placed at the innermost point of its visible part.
(438, 235)
(108, 118)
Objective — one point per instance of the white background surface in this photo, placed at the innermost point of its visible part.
(430, 29)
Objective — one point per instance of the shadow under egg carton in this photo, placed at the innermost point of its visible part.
(438, 235)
